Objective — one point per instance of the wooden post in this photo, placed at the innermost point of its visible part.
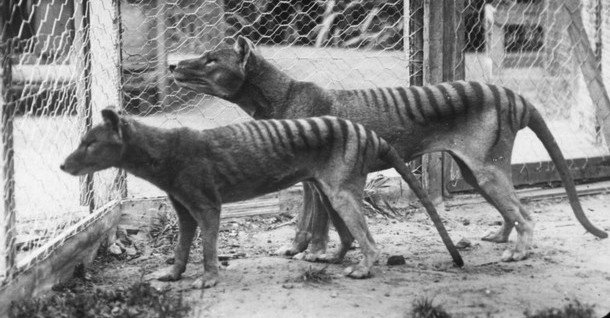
(415, 49)
(588, 65)
(7, 186)
(453, 63)
(121, 178)
(83, 89)
(161, 53)
(432, 164)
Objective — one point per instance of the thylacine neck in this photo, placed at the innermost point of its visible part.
(146, 151)
(265, 90)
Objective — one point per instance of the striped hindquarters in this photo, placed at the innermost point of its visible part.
(321, 136)
(445, 101)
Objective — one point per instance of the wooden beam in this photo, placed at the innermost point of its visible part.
(434, 55)
(7, 184)
(83, 89)
(55, 260)
(588, 65)
(453, 63)
(161, 53)
(593, 168)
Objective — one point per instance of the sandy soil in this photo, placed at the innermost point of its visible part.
(565, 264)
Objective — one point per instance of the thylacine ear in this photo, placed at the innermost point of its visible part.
(243, 47)
(112, 119)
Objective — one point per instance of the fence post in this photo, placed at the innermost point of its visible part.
(432, 164)
(7, 187)
(83, 89)
(161, 53)
(121, 178)
(453, 64)
(588, 65)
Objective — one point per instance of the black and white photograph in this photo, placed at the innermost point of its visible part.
(305, 158)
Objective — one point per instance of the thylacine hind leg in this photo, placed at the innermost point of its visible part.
(346, 198)
(495, 185)
(345, 236)
(312, 226)
(502, 234)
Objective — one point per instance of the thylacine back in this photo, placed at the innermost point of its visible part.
(199, 170)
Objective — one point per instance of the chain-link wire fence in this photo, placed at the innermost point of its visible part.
(526, 45)
(60, 63)
(336, 44)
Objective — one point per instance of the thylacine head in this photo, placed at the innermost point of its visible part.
(219, 73)
(99, 149)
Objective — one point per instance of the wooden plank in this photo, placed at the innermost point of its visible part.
(7, 183)
(161, 52)
(434, 55)
(535, 194)
(453, 65)
(83, 88)
(594, 168)
(588, 65)
(55, 261)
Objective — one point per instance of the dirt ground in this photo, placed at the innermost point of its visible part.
(565, 264)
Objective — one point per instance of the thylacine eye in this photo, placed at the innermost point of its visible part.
(89, 144)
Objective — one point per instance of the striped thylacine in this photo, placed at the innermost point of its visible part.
(200, 170)
(475, 123)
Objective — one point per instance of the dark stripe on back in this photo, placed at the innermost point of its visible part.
(344, 133)
(403, 95)
(512, 106)
(432, 101)
(251, 133)
(447, 100)
(498, 104)
(289, 134)
(384, 100)
(375, 99)
(396, 105)
(329, 138)
(316, 131)
(365, 97)
(275, 126)
(362, 155)
(302, 134)
(275, 144)
(256, 125)
(524, 110)
(479, 95)
(461, 93)
(357, 132)
(418, 103)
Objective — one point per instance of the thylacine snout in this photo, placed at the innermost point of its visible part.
(99, 149)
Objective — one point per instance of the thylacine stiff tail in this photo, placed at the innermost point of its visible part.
(389, 155)
(536, 123)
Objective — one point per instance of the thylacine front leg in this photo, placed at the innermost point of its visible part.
(187, 226)
(209, 224)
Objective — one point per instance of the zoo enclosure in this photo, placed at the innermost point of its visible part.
(62, 61)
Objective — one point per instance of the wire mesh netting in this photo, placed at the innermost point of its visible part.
(68, 59)
(58, 68)
(525, 45)
(336, 44)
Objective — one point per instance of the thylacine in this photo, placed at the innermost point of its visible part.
(199, 170)
(476, 123)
